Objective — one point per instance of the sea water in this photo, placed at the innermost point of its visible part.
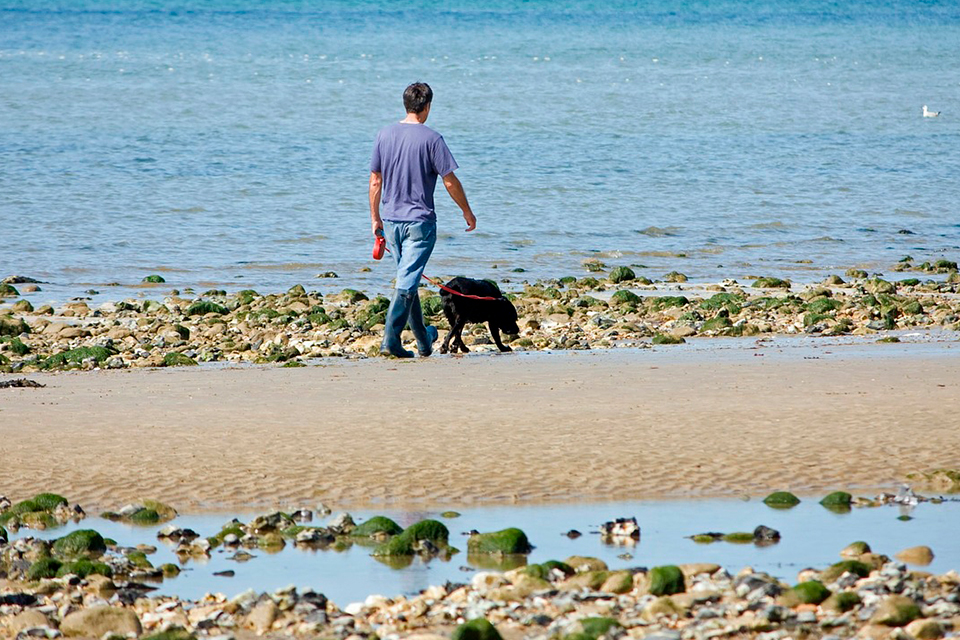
(225, 143)
(811, 536)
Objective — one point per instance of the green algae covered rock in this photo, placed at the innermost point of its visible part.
(622, 274)
(810, 592)
(546, 570)
(771, 283)
(896, 611)
(44, 568)
(375, 525)
(507, 541)
(404, 544)
(624, 296)
(84, 567)
(203, 307)
(353, 296)
(48, 501)
(476, 629)
(175, 359)
(593, 628)
(8, 291)
(837, 499)
(717, 324)
(666, 580)
(659, 303)
(80, 542)
(77, 356)
(841, 602)
(153, 279)
(666, 338)
(12, 326)
(836, 570)
(781, 500)
(738, 537)
(145, 517)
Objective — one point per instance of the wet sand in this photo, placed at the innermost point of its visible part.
(678, 422)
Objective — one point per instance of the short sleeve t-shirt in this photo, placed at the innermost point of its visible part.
(410, 157)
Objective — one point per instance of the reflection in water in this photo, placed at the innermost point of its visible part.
(810, 536)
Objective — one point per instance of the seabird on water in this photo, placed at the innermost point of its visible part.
(929, 114)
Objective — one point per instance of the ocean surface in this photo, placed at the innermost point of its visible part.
(226, 142)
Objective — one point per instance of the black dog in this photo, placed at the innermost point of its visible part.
(499, 313)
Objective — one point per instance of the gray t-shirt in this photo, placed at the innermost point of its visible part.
(410, 157)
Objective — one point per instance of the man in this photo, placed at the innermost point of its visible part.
(407, 159)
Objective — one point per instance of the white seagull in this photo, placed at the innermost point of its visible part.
(929, 114)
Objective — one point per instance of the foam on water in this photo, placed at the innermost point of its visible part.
(229, 140)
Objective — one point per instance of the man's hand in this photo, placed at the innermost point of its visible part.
(455, 189)
(376, 227)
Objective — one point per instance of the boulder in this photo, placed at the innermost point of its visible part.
(97, 622)
(27, 620)
(919, 555)
(507, 542)
(262, 617)
(666, 580)
(896, 611)
(477, 629)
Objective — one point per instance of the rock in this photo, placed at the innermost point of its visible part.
(663, 606)
(27, 620)
(926, 629)
(919, 555)
(342, 523)
(810, 592)
(781, 500)
(764, 534)
(582, 564)
(174, 359)
(82, 541)
(622, 274)
(855, 549)
(96, 622)
(404, 544)
(666, 580)
(621, 528)
(836, 570)
(477, 629)
(618, 582)
(841, 602)
(262, 617)
(153, 279)
(697, 568)
(507, 541)
(837, 499)
(771, 283)
(896, 611)
(375, 525)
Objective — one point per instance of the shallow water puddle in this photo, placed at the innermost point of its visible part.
(811, 536)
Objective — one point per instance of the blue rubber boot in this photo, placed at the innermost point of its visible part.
(425, 336)
(396, 320)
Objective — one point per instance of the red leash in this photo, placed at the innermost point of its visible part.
(380, 245)
(454, 292)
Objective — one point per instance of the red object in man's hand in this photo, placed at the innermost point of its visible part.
(379, 246)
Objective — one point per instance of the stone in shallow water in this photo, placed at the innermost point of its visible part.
(919, 555)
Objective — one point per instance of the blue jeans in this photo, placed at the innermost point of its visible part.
(410, 244)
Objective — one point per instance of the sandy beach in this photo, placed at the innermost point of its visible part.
(623, 424)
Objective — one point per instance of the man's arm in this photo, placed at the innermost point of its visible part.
(455, 189)
(376, 188)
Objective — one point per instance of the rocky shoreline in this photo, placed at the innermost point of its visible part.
(84, 585)
(614, 308)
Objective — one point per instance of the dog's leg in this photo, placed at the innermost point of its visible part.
(454, 334)
(458, 338)
(495, 332)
